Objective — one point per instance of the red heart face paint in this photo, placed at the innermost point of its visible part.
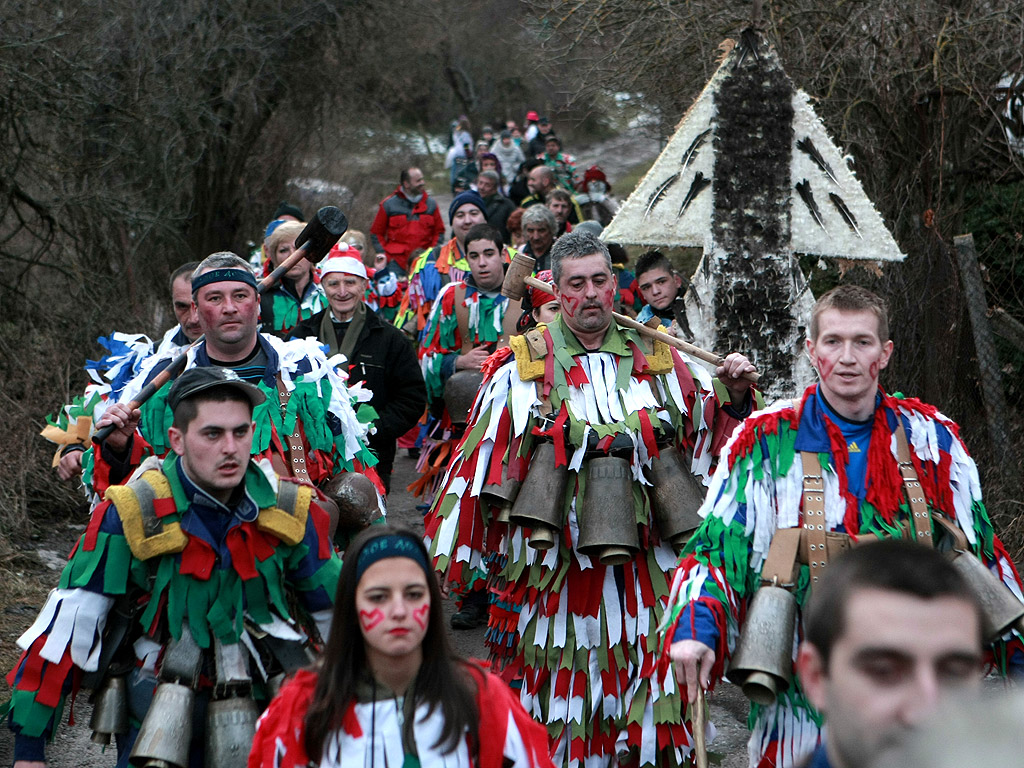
(849, 356)
(370, 619)
(393, 603)
(421, 615)
(586, 290)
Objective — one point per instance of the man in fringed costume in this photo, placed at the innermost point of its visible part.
(582, 390)
(208, 572)
(816, 476)
(307, 428)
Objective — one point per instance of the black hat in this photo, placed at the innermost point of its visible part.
(287, 209)
(196, 380)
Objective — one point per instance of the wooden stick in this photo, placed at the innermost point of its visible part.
(643, 330)
(700, 747)
(308, 250)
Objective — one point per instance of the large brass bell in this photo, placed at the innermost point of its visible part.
(762, 664)
(675, 496)
(166, 731)
(109, 711)
(539, 504)
(501, 495)
(356, 498)
(606, 518)
(230, 730)
(460, 392)
(1000, 608)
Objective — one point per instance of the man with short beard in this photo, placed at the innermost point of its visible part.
(587, 389)
(559, 202)
(542, 181)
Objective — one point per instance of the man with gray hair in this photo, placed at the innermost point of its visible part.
(310, 433)
(540, 229)
(499, 207)
(587, 406)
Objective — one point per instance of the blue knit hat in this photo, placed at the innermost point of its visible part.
(469, 197)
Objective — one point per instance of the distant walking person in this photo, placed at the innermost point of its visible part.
(408, 220)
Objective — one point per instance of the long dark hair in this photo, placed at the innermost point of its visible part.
(443, 680)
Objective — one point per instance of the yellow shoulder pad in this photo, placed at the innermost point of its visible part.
(530, 351)
(660, 358)
(287, 520)
(146, 534)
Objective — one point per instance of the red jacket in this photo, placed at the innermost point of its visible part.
(401, 229)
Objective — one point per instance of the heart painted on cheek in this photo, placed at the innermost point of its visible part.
(370, 619)
(420, 615)
(569, 305)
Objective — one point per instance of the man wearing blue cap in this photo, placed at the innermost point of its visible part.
(441, 265)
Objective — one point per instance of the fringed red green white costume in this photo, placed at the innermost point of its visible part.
(321, 408)
(441, 344)
(508, 737)
(442, 339)
(430, 272)
(217, 568)
(757, 489)
(73, 424)
(587, 633)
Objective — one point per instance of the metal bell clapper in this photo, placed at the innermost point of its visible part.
(166, 731)
(110, 711)
(501, 495)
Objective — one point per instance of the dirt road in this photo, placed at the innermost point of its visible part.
(73, 749)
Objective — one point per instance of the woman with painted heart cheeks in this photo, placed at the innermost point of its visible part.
(389, 692)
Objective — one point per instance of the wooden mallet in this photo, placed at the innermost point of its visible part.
(312, 243)
(520, 274)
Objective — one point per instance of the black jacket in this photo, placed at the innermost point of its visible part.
(385, 360)
(499, 208)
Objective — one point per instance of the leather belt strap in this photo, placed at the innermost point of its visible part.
(920, 515)
(814, 514)
(780, 565)
(296, 450)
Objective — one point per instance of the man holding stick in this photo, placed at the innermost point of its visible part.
(589, 407)
(799, 483)
(307, 429)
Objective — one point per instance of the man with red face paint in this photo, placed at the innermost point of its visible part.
(847, 462)
(581, 390)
